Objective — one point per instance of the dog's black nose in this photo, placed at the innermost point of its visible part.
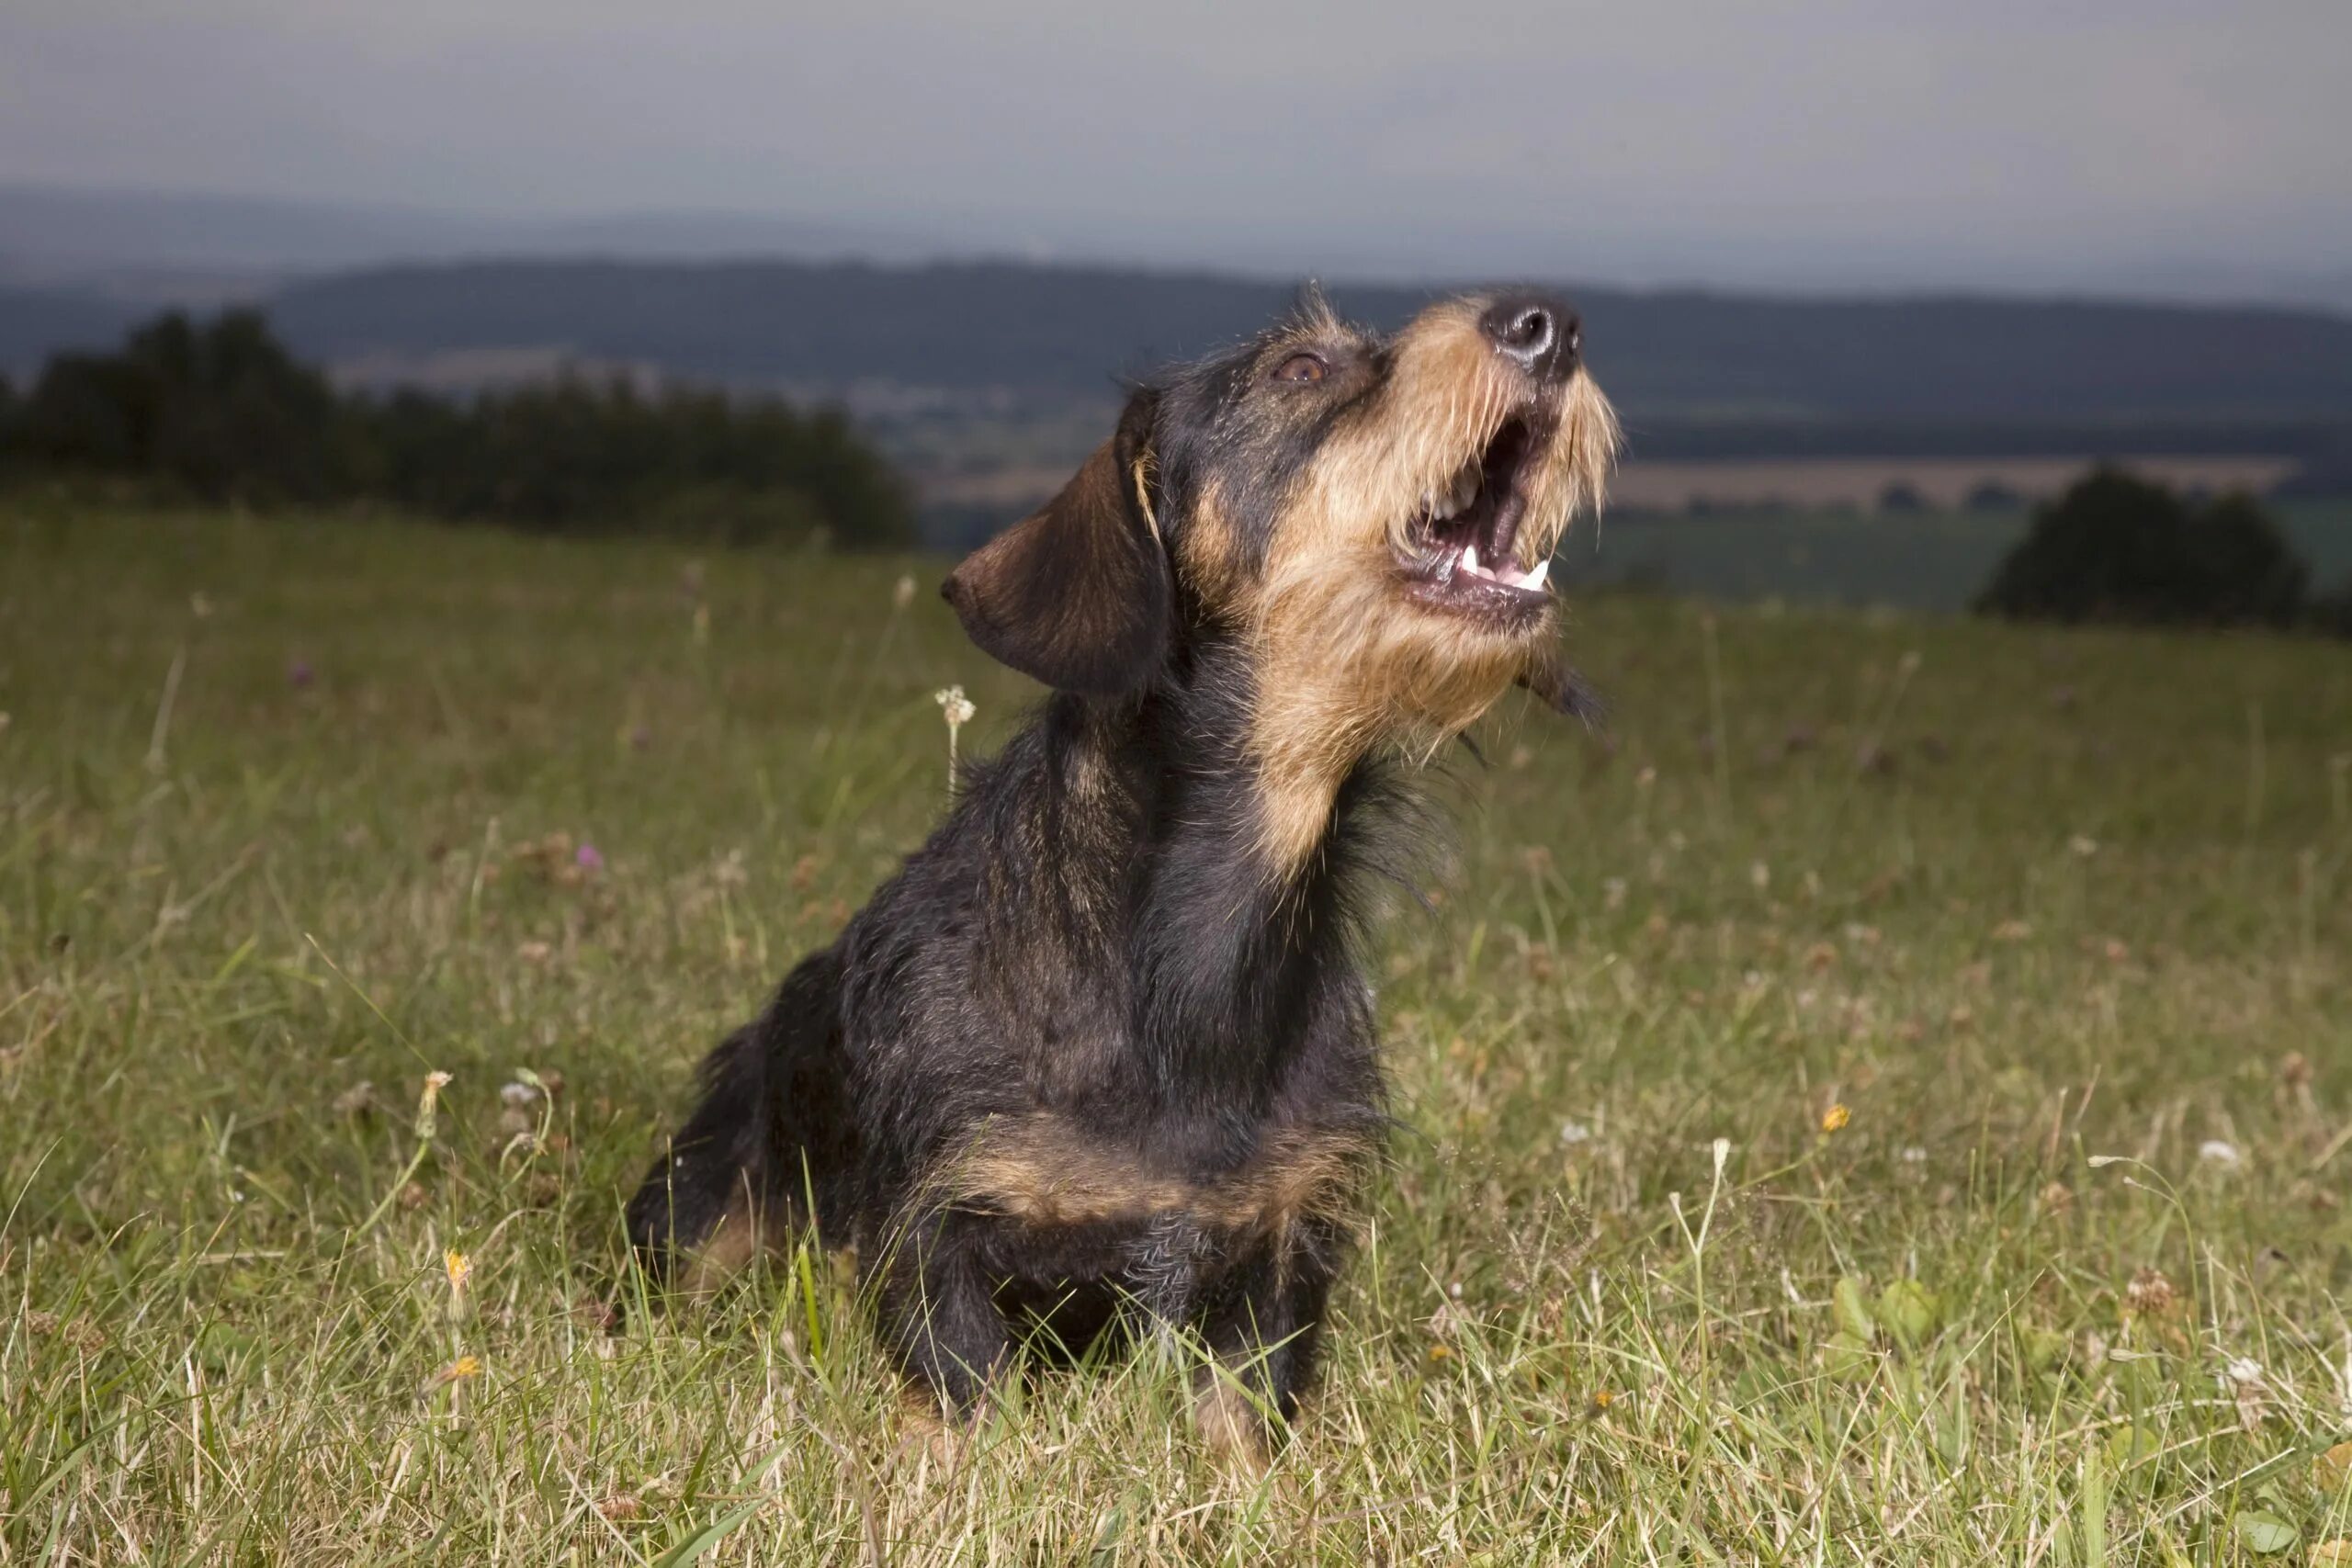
(1539, 333)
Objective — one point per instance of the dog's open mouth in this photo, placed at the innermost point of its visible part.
(1461, 552)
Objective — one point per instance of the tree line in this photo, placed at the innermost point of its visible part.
(219, 411)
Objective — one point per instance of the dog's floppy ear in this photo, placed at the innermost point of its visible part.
(1077, 595)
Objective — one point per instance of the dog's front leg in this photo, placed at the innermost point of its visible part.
(1264, 1327)
(938, 1310)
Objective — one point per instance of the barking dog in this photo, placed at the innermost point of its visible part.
(1101, 1053)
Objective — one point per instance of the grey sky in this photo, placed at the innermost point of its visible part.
(1991, 142)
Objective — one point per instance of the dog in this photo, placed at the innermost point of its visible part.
(1103, 1052)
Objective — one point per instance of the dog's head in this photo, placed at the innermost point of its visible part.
(1373, 515)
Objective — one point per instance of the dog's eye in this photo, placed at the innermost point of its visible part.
(1303, 368)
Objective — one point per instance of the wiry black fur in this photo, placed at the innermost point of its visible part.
(1091, 933)
(1119, 960)
(772, 1126)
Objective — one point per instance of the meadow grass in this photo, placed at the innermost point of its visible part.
(1885, 1101)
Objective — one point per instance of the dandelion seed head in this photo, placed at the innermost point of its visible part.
(2149, 1293)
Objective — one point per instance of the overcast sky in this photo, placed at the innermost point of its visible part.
(1890, 142)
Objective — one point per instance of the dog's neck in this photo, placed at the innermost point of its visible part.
(1233, 947)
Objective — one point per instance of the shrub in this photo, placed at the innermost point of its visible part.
(2114, 547)
(1901, 495)
(2331, 613)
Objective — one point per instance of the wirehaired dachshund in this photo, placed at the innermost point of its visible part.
(1102, 1055)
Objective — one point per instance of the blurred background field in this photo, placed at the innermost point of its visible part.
(1884, 1098)
(1924, 558)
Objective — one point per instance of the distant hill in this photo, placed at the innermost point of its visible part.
(1760, 371)
(1059, 330)
(171, 247)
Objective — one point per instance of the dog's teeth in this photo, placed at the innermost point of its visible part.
(1470, 558)
(1536, 574)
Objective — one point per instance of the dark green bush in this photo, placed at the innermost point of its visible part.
(2114, 547)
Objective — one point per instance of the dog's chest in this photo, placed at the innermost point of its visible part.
(1045, 1172)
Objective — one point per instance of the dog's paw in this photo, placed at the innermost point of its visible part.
(929, 1436)
(1232, 1431)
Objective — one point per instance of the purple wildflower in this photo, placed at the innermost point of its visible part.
(298, 674)
(588, 857)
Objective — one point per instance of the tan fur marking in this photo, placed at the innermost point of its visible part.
(1042, 1171)
(1346, 664)
(738, 1241)
(1209, 555)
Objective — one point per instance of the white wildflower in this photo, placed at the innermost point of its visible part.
(958, 709)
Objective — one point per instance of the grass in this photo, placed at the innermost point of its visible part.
(1889, 1102)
